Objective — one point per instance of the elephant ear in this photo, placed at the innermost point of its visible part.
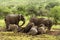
(19, 16)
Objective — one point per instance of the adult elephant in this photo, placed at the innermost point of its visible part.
(14, 19)
(37, 21)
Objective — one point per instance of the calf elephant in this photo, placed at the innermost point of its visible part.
(37, 21)
(33, 30)
(42, 29)
(13, 27)
(27, 28)
(14, 19)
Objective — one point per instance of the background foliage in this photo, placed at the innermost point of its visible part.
(48, 8)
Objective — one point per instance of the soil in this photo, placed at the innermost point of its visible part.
(54, 32)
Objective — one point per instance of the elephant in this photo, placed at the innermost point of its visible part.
(14, 19)
(47, 24)
(13, 27)
(27, 28)
(42, 29)
(33, 30)
(37, 21)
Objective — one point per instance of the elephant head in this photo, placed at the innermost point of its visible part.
(21, 18)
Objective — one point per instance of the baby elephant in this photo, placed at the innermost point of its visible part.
(42, 29)
(13, 27)
(33, 30)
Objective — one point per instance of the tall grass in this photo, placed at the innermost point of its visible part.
(2, 23)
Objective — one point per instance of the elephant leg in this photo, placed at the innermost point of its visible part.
(19, 28)
(7, 26)
(48, 30)
(17, 23)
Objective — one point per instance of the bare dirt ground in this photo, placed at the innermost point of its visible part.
(54, 32)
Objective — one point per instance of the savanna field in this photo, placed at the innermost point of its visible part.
(23, 36)
(29, 8)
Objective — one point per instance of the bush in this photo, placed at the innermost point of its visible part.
(51, 5)
(55, 13)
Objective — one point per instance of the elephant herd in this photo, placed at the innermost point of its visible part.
(35, 25)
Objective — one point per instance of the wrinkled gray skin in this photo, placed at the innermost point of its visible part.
(42, 29)
(14, 19)
(13, 27)
(33, 30)
(27, 28)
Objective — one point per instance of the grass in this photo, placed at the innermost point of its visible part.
(56, 26)
(22, 36)
(2, 23)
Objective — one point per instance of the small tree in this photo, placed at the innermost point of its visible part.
(51, 5)
(55, 13)
(31, 10)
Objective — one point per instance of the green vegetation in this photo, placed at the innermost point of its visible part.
(29, 8)
(55, 13)
(2, 23)
(21, 36)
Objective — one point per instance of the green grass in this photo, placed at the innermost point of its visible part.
(56, 26)
(22, 36)
(2, 23)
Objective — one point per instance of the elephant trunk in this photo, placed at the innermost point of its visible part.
(21, 18)
(23, 23)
